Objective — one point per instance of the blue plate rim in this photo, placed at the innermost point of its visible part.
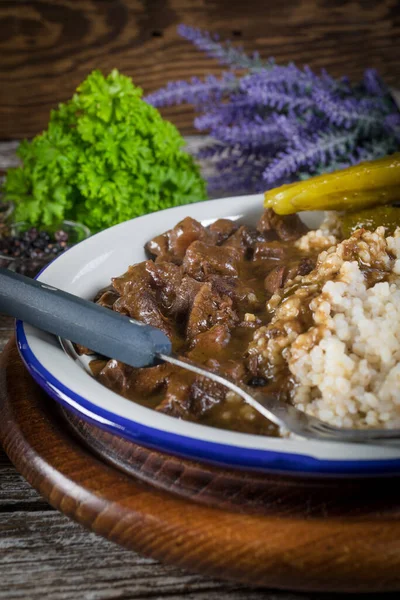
(268, 461)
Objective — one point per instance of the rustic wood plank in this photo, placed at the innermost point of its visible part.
(6, 326)
(8, 158)
(46, 49)
(13, 488)
(41, 556)
(44, 554)
(16, 495)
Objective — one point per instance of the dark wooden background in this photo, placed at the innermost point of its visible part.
(48, 46)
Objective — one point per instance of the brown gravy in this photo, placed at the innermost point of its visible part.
(207, 289)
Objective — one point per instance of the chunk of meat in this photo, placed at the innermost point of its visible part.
(286, 228)
(116, 376)
(234, 369)
(289, 227)
(242, 295)
(223, 229)
(83, 350)
(279, 275)
(209, 308)
(245, 237)
(202, 260)
(135, 279)
(175, 290)
(269, 250)
(159, 247)
(301, 267)
(138, 298)
(187, 292)
(177, 401)
(172, 245)
(205, 394)
(109, 288)
(275, 279)
(185, 233)
(150, 380)
(189, 395)
(108, 298)
(166, 279)
(143, 306)
(210, 342)
(164, 273)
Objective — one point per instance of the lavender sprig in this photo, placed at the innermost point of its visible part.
(275, 124)
(373, 84)
(225, 53)
(317, 151)
(364, 113)
(254, 133)
(195, 91)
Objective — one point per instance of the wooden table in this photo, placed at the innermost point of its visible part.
(45, 555)
(48, 48)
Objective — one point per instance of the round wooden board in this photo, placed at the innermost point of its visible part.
(308, 541)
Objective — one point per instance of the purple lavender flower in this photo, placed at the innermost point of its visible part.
(194, 91)
(254, 133)
(392, 125)
(373, 83)
(275, 124)
(318, 150)
(364, 113)
(225, 53)
(279, 100)
(288, 79)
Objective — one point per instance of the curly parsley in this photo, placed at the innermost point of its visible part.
(106, 157)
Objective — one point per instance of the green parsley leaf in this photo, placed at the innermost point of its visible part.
(106, 157)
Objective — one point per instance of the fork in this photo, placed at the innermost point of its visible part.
(114, 335)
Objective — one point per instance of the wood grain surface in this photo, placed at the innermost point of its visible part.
(47, 48)
(240, 491)
(291, 550)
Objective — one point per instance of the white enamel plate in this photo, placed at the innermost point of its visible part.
(89, 266)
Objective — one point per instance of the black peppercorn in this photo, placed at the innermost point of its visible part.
(33, 249)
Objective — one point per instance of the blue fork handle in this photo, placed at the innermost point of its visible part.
(70, 317)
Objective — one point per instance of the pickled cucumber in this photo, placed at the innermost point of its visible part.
(371, 218)
(364, 185)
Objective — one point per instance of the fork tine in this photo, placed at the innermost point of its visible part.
(288, 417)
(242, 391)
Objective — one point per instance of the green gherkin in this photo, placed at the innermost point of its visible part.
(360, 186)
(371, 218)
(106, 156)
